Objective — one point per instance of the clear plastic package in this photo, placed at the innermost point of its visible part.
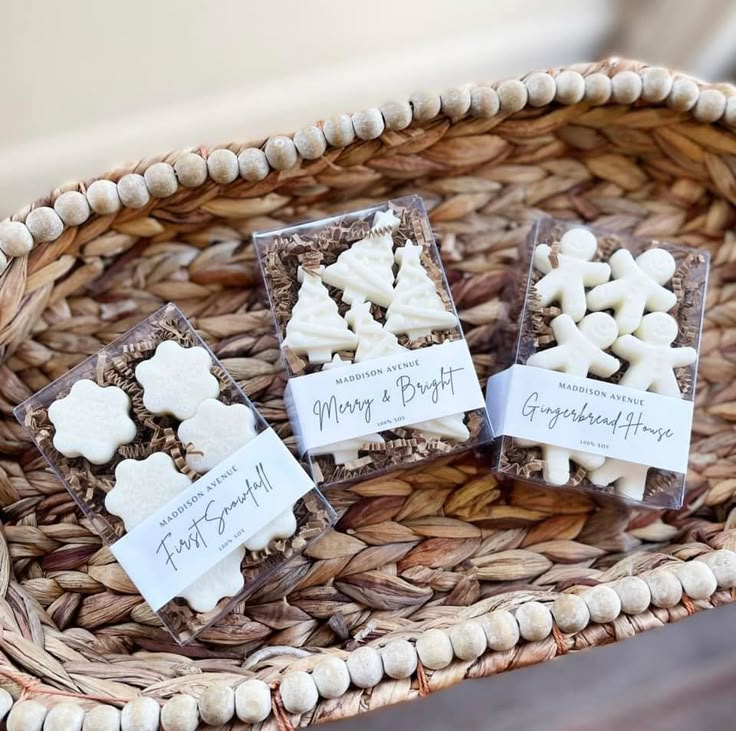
(380, 375)
(600, 394)
(196, 496)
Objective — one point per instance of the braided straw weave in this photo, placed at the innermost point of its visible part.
(443, 546)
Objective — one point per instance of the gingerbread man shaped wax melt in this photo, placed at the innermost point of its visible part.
(580, 348)
(568, 274)
(651, 359)
(637, 286)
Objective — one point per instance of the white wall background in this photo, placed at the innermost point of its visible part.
(87, 85)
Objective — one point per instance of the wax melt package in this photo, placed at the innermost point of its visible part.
(198, 499)
(380, 375)
(599, 394)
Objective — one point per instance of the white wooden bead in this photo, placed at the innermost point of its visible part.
(697, 580)
(710, 106)
(368, 124)
(180, 713)
(140, 714)
(281, 152)
(603, 604)
(512, 95)
(684, 95)
(72, 207)
(455, 103)
(15, 238)
(6, 703)
(190, 169)
(365, 667)
(468, 640)
(535, 621)
(252, 701)
(502, 630)
(396, 115)
(44, 224)
(161, 180)
(723, 565)
(217, 702)
(298, 692)
(570, 87)
(399, 659)
(253, 164)
(571, 613)
(133, 191)
(102, 718)
(222, 166)
(484, 101)
(434, 649)
(339, 130)
(729, 116)
(426, 105)
(598, 88)
(656, 84)
(26, 716)
(331, 677)
(64, 717)
(310, 142)
(3, 262)
(541, 89)
(626, 87)
(666, 590)
(634, 594)
(103, 198)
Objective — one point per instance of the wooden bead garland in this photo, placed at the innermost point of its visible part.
(468, 640)
(684, 95)
(44, 224)
(339, 130)
(298, 692)
(253, 164)
(697, 580)
(571, 613)
(541, 89)
(710, 106)
(502, 630)
(103, 198)
(102, 718)
(140, 714)
(72, 207)
(729, 116)
(64, 717)
(535, 621)
(634, 594)
(161, 180)
(455, 103)
(133, 191)
(365, 667)
(723, 565)
(26, 716)
(191, 170)
(310, 142)
(396, 115)
(656, 84)
(281, 153)
(603, 604)
(368, 125)
(15, 238)
(434, 649)
(399, 659)
(513, 95)
(6, 703)
(626, 87)
(253, 701)
(217, 703)
(222, 166)
(331, 677)
(570, 87)
(598, 89)
(180, 714)
(426, 106)
(484, 102)
(666, 590)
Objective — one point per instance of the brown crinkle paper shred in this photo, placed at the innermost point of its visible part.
(283, 254)
(535, 333)
(115, 366)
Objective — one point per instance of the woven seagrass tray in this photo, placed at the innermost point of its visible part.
(442, 546)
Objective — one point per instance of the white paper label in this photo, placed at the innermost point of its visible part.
(591, 416)
(384, 393)
(186, 537)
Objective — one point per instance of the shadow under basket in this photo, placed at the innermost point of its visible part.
(504, 574)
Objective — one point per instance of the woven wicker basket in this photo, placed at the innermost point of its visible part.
(616, 143)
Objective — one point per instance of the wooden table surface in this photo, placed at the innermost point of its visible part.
(678, 678)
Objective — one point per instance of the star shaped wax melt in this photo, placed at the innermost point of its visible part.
(215, 432)
(141, 488)
(176, 380)
(92, 421)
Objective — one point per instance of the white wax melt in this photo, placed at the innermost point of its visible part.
(282, 526)
(141, 488)
(374, 341)
(556, 470)
(92, 422)
(629, 478)
(215, 432)
(651, 359)
(176, 380)
(365, 270)
(316, 328)
(417, 309)
(347, 450)
(637, 286)
(580, 348)
(446, 427)
(574, 271)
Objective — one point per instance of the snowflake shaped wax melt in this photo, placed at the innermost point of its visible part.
(215, 432)
(176, 380)
(282, 526)
(143, 486)
(556, 469)
(92, 421)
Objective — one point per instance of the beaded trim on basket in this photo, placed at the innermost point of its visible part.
(433, 649)
(105, 197)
